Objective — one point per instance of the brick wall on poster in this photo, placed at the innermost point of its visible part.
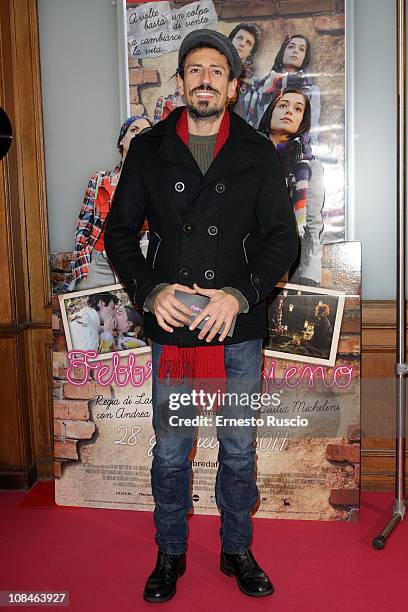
(322, 21)
(72, 419)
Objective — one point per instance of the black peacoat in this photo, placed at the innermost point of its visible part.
(233, 226)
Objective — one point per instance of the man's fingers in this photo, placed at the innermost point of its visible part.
(176, 314)
(170, 304)
(162, 323)
(208, 325)
(214, 330)
(207, 292)
(203, 314)
(225, 331)
(180, 306)
(184, 288)
(171, 320)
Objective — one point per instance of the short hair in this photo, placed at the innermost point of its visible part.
(106, 298)
(278, 63)
(201, 45)
(322, 310)
(305, 125)
(252, 29)
(134, 317)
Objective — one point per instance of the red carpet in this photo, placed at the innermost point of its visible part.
(102, 557)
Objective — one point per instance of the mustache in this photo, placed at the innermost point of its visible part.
(204, 88)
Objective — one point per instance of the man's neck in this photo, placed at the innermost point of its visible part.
(204, 128)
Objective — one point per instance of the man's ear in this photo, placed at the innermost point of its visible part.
(180, 85)
(232, 88)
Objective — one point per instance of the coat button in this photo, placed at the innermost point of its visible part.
(187, 228)
(209, 274)
(184, 272)
(220, 188)
(213, 230)
(256, 279)
(179, 186)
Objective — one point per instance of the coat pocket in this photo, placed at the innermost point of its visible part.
(244, 248)
(154, 245)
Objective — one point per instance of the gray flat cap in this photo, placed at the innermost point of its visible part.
(215, 40)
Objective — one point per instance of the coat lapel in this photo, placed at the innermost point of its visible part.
(233, 158)
(173, 150)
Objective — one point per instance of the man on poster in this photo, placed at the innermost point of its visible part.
(222, 226)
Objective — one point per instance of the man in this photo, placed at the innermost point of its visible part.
(245, 37)
(86, 326)
(221, 225)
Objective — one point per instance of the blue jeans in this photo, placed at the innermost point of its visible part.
(235, 490)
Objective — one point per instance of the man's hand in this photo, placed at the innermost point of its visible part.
(169, 310)
(110, 322)
(220, 310)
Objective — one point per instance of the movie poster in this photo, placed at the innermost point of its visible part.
(284, 45)
(307, 441)
(308, 436)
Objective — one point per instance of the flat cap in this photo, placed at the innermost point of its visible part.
(215, 40)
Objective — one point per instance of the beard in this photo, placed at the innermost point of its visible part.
(201, 110)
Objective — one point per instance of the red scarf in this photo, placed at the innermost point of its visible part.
(197, 362)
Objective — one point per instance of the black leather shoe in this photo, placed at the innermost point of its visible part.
(161, 584)
(251, 579)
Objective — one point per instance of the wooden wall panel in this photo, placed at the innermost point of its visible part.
(10, 424)
(29, 143)
(25, 316)
(378, 364)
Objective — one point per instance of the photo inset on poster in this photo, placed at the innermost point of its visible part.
(304, 323)
(102, 320)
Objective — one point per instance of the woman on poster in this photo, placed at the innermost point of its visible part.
(286, 122)
(290, 70)
(89, 266)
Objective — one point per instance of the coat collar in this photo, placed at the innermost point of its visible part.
(235, 156)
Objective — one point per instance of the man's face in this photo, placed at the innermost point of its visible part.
(294, 53)
(244, 42)
(206, 88)
(122, 322)
(103, 310)
(288, 114)
(133, 130)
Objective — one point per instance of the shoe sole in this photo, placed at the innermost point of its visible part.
(163, 599)
(231, 574)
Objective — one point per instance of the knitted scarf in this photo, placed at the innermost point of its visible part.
(295, 157)
(198, 362)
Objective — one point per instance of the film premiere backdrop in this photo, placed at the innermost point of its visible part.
(103, 434)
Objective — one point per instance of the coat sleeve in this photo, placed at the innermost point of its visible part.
(123, 224)
(273, 247)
